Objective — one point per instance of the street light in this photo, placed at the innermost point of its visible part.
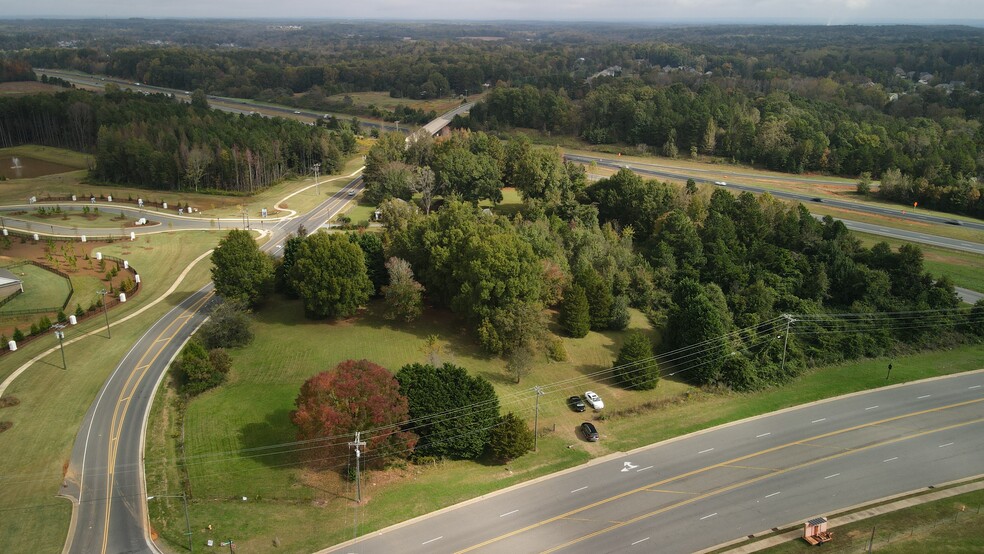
(60, 335)
(184, 498)
(104, 292)
(317, 169)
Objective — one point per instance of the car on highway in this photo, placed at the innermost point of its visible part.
(297, 113)
(954, 222)
(817, 199)
(594, 400)
(720, 183)
(576, 403)
(589, 431)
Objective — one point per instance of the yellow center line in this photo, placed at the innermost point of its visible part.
(132, 381)
(733, 486)
(714, 466)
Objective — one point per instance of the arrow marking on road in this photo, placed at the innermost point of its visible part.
(628, 466)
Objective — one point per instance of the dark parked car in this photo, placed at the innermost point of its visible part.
(589, 431)
(954, 222)
(576, 403)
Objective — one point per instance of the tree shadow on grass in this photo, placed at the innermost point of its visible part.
(257, 439)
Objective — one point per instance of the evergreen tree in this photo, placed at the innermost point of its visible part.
(635, 367)
(575, 316)
(510, 439)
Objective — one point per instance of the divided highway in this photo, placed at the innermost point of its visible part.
(712, 487)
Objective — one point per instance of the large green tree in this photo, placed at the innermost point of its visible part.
(510, 439)
(330, 276)
(451, 411)
(695, 333)
(575, 314)
(239, 270)
(635, 368)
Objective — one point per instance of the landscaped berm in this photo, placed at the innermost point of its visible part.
(45, 281)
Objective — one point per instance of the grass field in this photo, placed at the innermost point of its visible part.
(42, 289)
(228, 430)
(53, 401)
(948, 525)
(384, 101)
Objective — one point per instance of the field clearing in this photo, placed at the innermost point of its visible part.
(53, 401)
(384, 101)
(17, 88)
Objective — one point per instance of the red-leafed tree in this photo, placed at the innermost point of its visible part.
(354, 396)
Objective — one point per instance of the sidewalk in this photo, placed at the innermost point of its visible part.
(849, 518)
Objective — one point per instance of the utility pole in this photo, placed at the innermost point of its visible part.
(104, 292)
(184, 498)
(536, 416)
(358, 454)
(785, 341)
(317, 170)
(60, 335)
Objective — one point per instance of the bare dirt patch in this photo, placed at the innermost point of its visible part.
(27, 87)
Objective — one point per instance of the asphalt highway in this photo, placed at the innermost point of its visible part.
(654, 170)
(711, 487)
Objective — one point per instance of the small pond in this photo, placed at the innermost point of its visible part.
(25, 167)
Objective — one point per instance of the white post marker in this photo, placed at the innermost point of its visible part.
(122, 297)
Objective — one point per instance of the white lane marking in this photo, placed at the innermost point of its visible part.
(707, 516)
(832, 476)
(974, 387)
(580, 489)
(432, 540)
(819, 420)
(705, 451)
(638, 541)
(762, 435)
(644, 469)
(923, 396)
(890, 459)
(773, 494)
(508, 513)
(870, 408)
(945, 445)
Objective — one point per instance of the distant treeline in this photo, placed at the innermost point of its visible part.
(158, 142)
(783, 130)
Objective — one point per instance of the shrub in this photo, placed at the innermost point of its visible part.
(510, 438)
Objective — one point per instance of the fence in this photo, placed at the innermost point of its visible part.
(56, 271)
(109, 301)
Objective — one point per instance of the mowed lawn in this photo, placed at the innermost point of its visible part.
(240, 442)
(53, 401)
(237, 436)
(42, 289)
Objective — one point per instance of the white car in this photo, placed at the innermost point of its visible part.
(594, 400)
(721, 183)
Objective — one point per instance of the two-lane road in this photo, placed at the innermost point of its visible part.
(105, 475)
(715, 486)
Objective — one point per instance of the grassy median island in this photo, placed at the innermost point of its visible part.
(36, 449)
(237, 437)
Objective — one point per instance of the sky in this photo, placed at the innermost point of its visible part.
(822, 12)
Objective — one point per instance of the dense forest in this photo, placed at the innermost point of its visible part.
(837, 100)
(156, 141)
(709, 268)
